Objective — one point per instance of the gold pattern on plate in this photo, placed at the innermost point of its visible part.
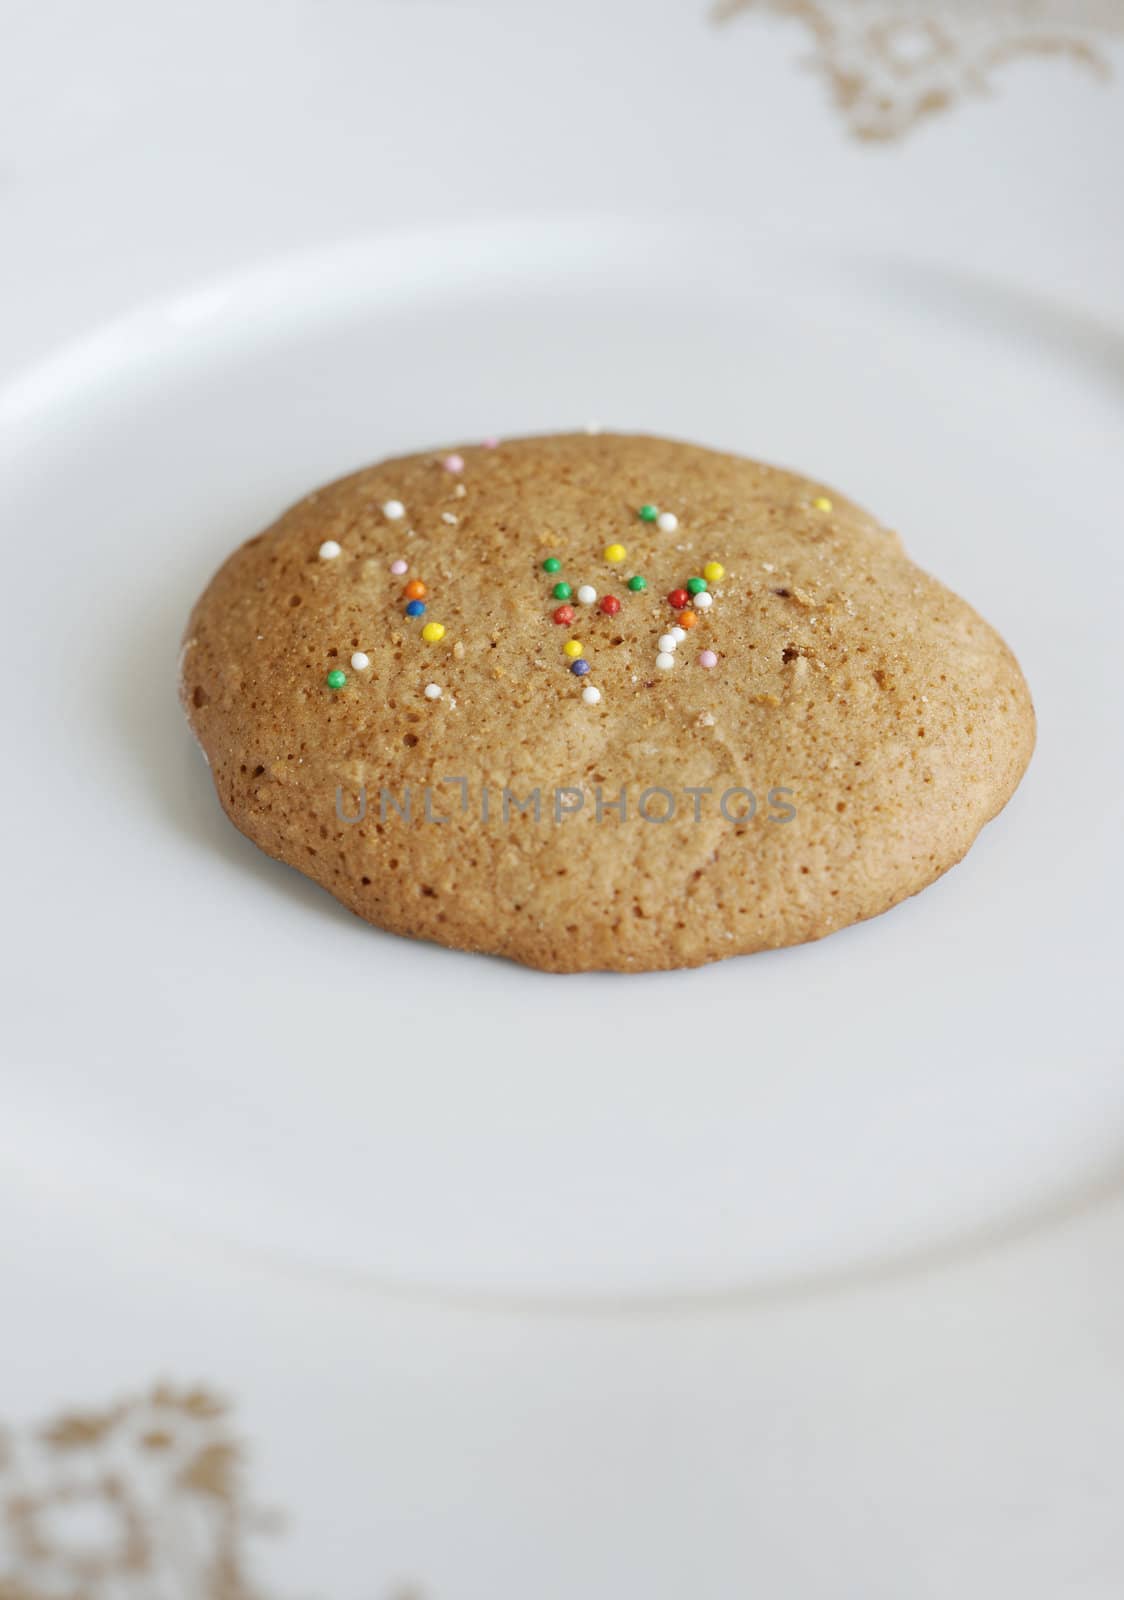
(890, 64)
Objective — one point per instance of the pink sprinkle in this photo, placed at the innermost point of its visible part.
(707, 658)
(491, 444)
(398, 567)
(453, 463)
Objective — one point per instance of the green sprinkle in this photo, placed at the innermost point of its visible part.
(649, 513)
(562, 591)
(637, 583)
(696, 585)
(336, 679)
(552, 564)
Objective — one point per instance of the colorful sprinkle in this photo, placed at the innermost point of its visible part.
(637, 583)
(491, 443)
(329, 550)
(610, 605)
(587, 594)
(336, 679)
(432, 691)
(562, 591)
(704, 601)
(614, 552)
(591, 696)
(677, 599)
(360, 661)
(668, 642)
(665, 661)
(579, 667)
(714, 572)
(414, 590)
(648, 513)
(667, 522)
(696, 585)
(416, 608)
(552, 564)
(707, 658)
(453, 463)
(573, 648)
(399, 567)
(822, 503)
(393, 510)
(687, 619)
(564, 616)
(433, 631)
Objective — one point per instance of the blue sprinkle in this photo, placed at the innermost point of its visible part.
(415, 608)
(579, 667)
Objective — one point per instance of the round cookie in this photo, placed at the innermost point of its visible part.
(747, 717)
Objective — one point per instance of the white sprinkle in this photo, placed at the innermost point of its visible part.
(668, 643)
(768, 566)
(665, 661)
(447, 516)
(678, 634)
(360, 661)
(433, 691)
(593, 427)
(329, 550)
(591, 696)
(393, 510)
(587, 594)
(704, 601)
(667, 522)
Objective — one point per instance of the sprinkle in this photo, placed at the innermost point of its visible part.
(433, 631)
(591, 696)
(665, 661)
(593, 427)
(460, 491)
(707, 658)
(564, 616)
(587, 594)
(416, 608)
(637, 584)
(677, 599)
(648, 513)
(393, 510)
(678, 634)
(491, 443)
(579, 667)
(562, 591)
(433, 691)
(360, 661)
(687, 619)
(822, 503)
(329, 550)
(696, 585)
(667, 522)
(614, 552)
(573, 648)
(714, 571)
(453, 463)
(399, 567)
(552, 564)
(336, 679)
(414, 590)
(448, 516)
(668, 643)
(610, 605)
(704, 601)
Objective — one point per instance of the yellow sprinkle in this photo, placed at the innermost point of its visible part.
(615, 552)
(433, 631)
(573, 649)
(822, 503)
(714, 572)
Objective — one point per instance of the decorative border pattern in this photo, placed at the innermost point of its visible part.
(891, 64)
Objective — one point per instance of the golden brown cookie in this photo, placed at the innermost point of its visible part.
(522, 769)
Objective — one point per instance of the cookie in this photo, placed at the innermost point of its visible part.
(600, 702)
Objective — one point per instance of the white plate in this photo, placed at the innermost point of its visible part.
(205, 1033)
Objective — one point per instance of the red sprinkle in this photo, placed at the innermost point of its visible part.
(610, 605)
(564, 615)
(678, 598)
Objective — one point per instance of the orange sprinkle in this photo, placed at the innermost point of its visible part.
(687, 619)
(414, 590)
